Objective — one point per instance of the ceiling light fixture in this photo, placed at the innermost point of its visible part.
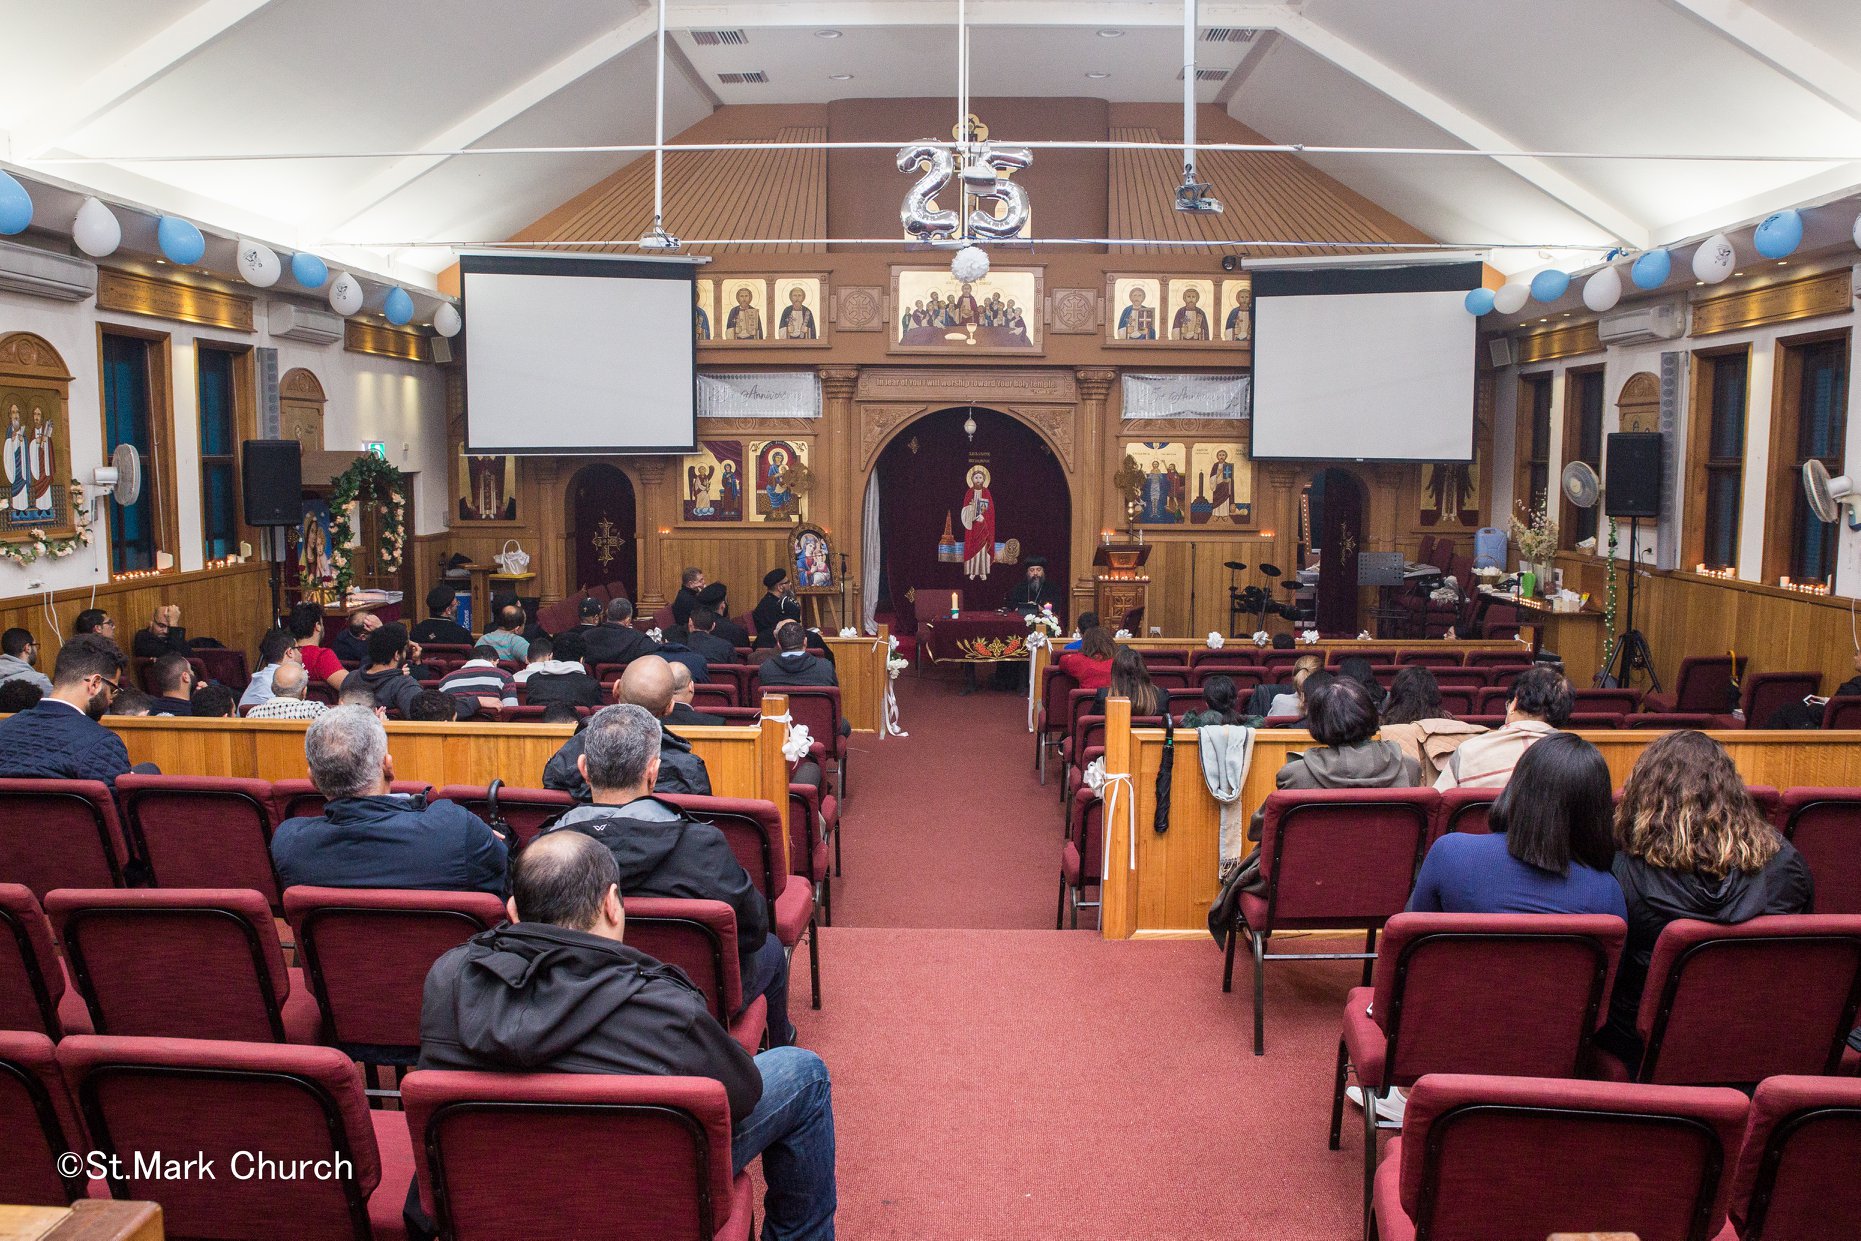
(827, 34)
(1098, 75)
(1110, 33)
(840, 77)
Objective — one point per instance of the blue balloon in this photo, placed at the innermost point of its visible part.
(1651, 269)
(399, 307)
(1780, 234)
(309, 270)
(1548, 286)
(179, 240)
(1480, 302)
(15, 206)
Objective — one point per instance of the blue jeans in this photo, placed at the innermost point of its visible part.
(792, 1128)
(766, 973)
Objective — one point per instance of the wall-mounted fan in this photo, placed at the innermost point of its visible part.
(1828, 495)
(1580, 484)
(122, 478)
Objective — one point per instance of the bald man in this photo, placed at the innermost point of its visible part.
(647, 682)
(684, 689)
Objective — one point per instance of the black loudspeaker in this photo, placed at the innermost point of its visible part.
(271, 479)
(1632, 475)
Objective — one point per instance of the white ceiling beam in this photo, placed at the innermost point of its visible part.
(149, 60)
(1789, 53)
(1476, 133)
(505, 108)
(853, 14)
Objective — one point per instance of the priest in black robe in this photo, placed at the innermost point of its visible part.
(776, 606)
(1034, 591)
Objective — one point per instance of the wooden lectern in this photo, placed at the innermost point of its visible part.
(1121, 583)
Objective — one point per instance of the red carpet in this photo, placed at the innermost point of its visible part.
(994, 1081)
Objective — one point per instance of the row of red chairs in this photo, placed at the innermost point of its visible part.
(1243, 654)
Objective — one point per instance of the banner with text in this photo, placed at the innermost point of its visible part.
(769, 394)
(1186, 396)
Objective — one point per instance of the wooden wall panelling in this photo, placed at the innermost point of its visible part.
(136, 294)
(1807, 297)
(230, 604)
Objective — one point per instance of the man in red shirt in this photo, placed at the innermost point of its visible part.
(320, 662)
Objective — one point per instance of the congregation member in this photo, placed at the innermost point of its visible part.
(1087, 620)
(777, 605)
(701, 636)
(557, 990)
(715, 597)
(647, 684)
(371, 837)
(1282, 699)
(289, 685)
(1130, 678)
(507, 638)
(1540, 704)
(613, 640)
(1218, 709)
(19, 695)
(439, 627)
(173, 681)
(1090, 665)
(683, 691)
(163, 636)
(481, 683)
(1359, 669)
(131, 702)
(433, 706)
(59, 738)
(674, 651)
(97, 621)
(1551, 845)
(563, 713)
(793, 663)
(1691, 843)
(662, 852)
(275, 649)
(306, 626)
(19, 658)
(1309, 685)
(1414, 719)
(690, 583)
(546, 679)
(351, 645)
(384, 673)
(212, 701)
(1034, 591)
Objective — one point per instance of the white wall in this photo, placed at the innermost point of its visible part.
(369, 398)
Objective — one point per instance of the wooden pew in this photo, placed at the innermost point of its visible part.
(859, 663)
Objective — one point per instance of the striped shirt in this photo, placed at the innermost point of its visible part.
(280, 708)
(480, 678)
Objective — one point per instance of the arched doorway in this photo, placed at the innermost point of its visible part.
(924, 477)
(603, 528)
(1337, 508)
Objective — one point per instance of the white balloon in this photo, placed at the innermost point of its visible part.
(1715, 259)
(1603, 290)
(258, 264)
(96, 229)
(1858, 230)
(446, 320)
(345, 294)
(1509, 299)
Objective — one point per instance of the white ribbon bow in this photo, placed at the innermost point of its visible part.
(1106, 784)
(796, 743)
(656, 634)
(1122, 634)
(1262, 638)
(847, 631)
(1309, 637)
(1215, 640)
(1036, 639)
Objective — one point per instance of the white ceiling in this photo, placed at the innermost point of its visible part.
(396, 78)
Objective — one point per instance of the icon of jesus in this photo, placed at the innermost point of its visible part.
(978, 525)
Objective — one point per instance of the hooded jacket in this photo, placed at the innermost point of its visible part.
(680, 771)
(391, 687)
(801, 667)
(391, 841)
(662, 853)
(1657, 897)
(1366, 765)
(535, 998)
(615, 644)
(13, 668)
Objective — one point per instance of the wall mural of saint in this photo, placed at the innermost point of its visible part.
(1190, 302)
(714, 482)
(487, 488)
(1164, 493)
(776, 499)
(978, 515)
(1450, 495)
(1223, 481)
(29, 458)
(744, 319)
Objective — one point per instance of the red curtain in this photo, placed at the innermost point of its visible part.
(923, 479)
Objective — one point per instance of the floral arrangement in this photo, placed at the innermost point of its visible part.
(1614, 639)
(1535, 533)
(1122, 635)
(1044, 619)
(895, 665)
(36, 544)
(380, 484)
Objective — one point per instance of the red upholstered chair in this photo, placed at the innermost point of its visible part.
(1543, 981)
(35, 992)
(225, 665)
(39, 1122)
(143, 668)
(1333, 859)
(1183, 701)
(817, 706)
(814, 821)
(1238, 654)
(182, 963)
(1703, 685)
(1278, 664)
(1518, 1159)
(1170, 676)
(1463, 810)
(228, 1101)
(700, 937)
(1763, 694)
(1459, 701)
(525, 810)
(715, 694)
(60, 834)
(1055, 717)
(1608, 701)
(1825, 826)
(366, 953)
(1796, 1173)
(294, 799)
(1473, 679)
(1842, 713)
(742, 675)
(1733, 1005)
(1668, 720)
(1431, 658)
(1246, 677)
(1495, 659)
(754, 830)
(1593, 721)
(1492, 701)
(1081, 858)
(1164, 657)
(202, 831)
(624, 1158)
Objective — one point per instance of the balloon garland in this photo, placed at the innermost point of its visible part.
(372, 481)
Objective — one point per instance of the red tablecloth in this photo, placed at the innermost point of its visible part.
(974, 638)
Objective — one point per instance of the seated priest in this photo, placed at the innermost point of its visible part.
(777, 605)
(1034, 592)
(439, 627)
(713, 597)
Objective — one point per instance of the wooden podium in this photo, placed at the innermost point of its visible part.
(1121, 583)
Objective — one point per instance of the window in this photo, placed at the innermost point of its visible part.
(1719, 450)
(217, 386)
(1535, 431)
(1583, 441)
(1810, 422)
(135, 413)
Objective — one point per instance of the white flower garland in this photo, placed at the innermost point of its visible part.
(36, 544)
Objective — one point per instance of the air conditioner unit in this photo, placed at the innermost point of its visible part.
(1644, 325)
(289, 321)
(40, 273)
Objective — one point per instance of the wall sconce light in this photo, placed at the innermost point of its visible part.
(163, 562)
(969, 426)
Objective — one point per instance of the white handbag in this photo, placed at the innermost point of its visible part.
(513, 559)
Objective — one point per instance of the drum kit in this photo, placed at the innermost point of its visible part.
(1256, 601)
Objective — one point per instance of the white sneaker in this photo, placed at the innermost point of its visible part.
(1390, 1107)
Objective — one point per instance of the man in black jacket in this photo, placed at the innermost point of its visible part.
(385, 673)
(646, 683)
(172, 679)
(775, 607)
(663, 853)
(690, 582)
(351, 645)
(701, 636)
(616, 641)
(793, 663)
(558, 991)
(682, 712)
(439, 627)
(712, 597)
(163, 636)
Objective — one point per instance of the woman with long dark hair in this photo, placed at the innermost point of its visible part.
(1131, 679)
(1090, 665)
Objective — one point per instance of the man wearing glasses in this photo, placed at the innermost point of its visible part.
(60, 738)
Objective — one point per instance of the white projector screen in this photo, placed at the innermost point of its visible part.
(1365, 364)
(578, 354)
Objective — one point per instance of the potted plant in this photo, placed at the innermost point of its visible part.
(1534, 533)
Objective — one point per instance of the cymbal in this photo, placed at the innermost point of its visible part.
(1236, 565)
(1270, 570)
(1291, 585)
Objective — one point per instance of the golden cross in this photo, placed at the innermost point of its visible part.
(607, 541)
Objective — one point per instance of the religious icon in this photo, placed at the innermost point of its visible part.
(29, 460)
(998, 313)
(812, 556)
(978, 515)
(487, 488)
(714, 482)
(778, 462)
(1224, 480)
(702, 293)
(743, 321)
(1450, 495)
(1236, 310)
(1137, 300)
(797, 298)
(316, 548)
(606, 542)
(1189, 300)
(1163, 494)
